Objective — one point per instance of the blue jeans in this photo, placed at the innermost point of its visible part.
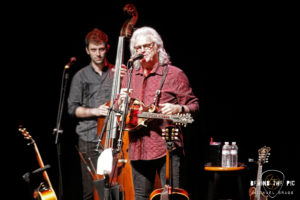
(144, 171)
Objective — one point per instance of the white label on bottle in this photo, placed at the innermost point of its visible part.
(233, 151)
(226, 152)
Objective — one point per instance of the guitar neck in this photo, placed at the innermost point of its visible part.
(258, 182)
(169, 168)
(41, 164)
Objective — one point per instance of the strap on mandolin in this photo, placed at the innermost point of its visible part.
(161, 84)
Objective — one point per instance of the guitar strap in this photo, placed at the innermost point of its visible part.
(161, 84)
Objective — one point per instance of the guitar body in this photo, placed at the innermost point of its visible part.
(252, 192)
(177, 194)
(45, 195)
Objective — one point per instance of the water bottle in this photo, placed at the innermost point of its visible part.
(226, 158)
(234, 154)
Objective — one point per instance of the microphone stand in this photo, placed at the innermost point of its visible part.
(124, 113)
(57, 130)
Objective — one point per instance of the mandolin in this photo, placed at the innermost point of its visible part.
(255, 192)
(170, 134)
(139, 116)
(44, 191)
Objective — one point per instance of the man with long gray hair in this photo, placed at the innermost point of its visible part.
(154, 72)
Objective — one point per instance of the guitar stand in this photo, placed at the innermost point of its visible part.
(42, 187)
(27, 175)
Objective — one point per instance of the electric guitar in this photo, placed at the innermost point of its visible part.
(139, 116)
(170, 134)
(44, 191)
(255, 192)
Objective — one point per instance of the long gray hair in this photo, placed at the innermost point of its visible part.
(163, 57)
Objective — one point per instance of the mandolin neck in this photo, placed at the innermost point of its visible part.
(155, 115)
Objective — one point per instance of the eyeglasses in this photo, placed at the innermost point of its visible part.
(146, 47)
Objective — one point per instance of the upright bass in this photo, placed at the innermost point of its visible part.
(121, 172)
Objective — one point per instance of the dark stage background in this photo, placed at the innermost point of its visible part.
(235, 56)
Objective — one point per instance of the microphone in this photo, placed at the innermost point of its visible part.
(72, 60)
(136, 57)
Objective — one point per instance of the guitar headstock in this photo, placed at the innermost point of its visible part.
(170, 134)
(263, 154)
(26, 134)
(182, 119)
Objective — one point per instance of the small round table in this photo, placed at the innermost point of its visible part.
(225, 182)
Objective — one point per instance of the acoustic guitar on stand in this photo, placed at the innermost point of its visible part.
(170, 134)
(44, 191)
(255, 192)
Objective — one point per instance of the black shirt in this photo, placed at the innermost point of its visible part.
(90, 90)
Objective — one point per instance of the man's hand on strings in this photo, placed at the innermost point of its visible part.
(102, 110)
